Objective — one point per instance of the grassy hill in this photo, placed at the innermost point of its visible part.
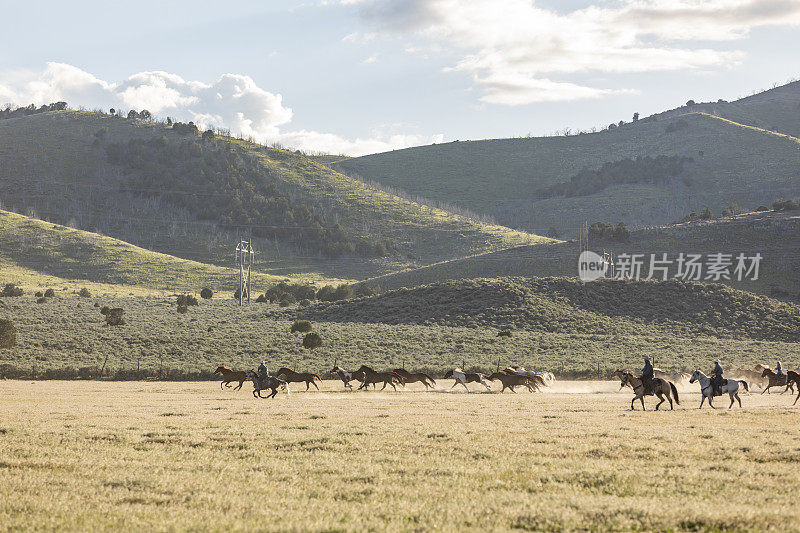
(37, 254)
(561, 305)
(501, 177)
(775, 235)
(172, 192)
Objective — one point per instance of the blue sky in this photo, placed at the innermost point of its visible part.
(358, 76)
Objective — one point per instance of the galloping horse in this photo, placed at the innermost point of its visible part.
(298, 377)
(776, 380)
(512, 379)
(661, 387)
(229, 376)
(409, 377)
(269, 382)
(542, 379)
(669, 376)
(793, 377)
(345, 376)
(463, 378)
(730, 386)
(371, 377)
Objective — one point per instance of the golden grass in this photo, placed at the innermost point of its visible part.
(177, 456)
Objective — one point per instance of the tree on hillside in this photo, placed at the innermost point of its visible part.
(312, 340)
(636, 116)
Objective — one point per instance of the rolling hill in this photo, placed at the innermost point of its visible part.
(561, 305)
(775, 235)
(37, 254)
(504, 177)
(167, 189)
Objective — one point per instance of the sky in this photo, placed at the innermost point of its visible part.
(365, 76)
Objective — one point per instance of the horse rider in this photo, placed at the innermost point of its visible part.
(716, 378)
(263, 371)
(647, 376)
(779, 370)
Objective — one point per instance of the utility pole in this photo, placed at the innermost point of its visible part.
(244, 255)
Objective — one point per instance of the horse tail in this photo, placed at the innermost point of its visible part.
(744, 384)
(316, 376)
(674, 392)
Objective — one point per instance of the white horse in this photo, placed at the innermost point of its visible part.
(547, 377)
(466, 377)
(730, 386)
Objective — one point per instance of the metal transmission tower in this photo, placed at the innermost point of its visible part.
(244, 255)
(583, 238)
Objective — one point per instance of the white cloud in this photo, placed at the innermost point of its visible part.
(232, 101)
(514, 49)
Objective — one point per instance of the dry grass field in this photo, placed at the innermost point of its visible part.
(90, 455)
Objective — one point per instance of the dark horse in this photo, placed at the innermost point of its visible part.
(793, 378)
(298, 377)
(409, 377)
(269, 382)
(511, 380)
(229, 376)
(371, 377)
(776, 380)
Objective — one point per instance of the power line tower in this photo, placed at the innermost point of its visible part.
(583, 238)
(244, 255)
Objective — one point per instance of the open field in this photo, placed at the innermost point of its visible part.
(166, 456)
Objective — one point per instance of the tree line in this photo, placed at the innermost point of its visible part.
(648, 170)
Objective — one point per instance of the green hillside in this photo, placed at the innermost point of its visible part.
(775, 235)
(167, 189)
(502, 177)
(37, 254)
(561, 305)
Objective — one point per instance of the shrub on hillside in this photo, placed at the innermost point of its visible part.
(602, 231)
(504, 333)
(301, 326)
(39, 294)
(185, 300)
(182, 309)
(11, 290)
(365, 290)
(731, 209)
(206, 293)
(114, 317)
(84, 293)
(305, 302)
(287, 300)
(8, 333)
(784, 205)
(104, 310)
(41, 300)
(50, 293)
(312, 340)
(762, 208)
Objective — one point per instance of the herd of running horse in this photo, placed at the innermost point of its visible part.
(510, 378)
(663, 384)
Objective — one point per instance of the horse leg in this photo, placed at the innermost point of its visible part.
(702, 400)
(274, 393)
(392, 384)
(220, 384)
(315, 384)
(661, 398)
(307, 384)
(634, 399)
(711, 404)
(738, 399)
(240, 385)
(465, 385)
(384, 385)
(454, 385)
(798, 395)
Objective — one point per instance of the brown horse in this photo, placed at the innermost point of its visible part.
(537, 378)
(418, 377)
(372, 377)
(290, 376)
(229, 376)
(776, 380)
(662, 388)
(511, 380)
(793, 378)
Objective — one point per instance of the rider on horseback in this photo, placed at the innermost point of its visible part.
(263, 371)
(779, 370)
(716, 378)
(647, 377)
